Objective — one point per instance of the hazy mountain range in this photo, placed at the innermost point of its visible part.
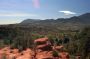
(76, 22)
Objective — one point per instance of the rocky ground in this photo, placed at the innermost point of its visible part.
(42, 50)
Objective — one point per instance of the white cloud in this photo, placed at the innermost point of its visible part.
(17, 14)
(68, 12)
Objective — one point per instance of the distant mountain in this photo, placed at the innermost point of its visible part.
(85, 18)
(76, 22)
(27, 21)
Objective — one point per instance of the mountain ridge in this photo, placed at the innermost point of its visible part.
(75, 22)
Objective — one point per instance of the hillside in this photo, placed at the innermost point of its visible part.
(73, 23)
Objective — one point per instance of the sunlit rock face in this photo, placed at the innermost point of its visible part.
(43, 44)
(8, 53)
(44, 49)
(41, 40)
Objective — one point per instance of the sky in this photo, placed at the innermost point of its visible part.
(15, 11)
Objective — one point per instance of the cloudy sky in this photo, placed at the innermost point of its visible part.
(15, 11)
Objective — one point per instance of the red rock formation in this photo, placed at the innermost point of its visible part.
(43, 49)
(64, 55)
(1, 54)
(44, 55)
(41, 40)
(58, 48)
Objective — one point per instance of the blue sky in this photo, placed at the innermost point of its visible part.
(15, 11)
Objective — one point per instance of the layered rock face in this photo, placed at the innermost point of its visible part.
(44, 49)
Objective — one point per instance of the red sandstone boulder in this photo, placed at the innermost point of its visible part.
(41, 40)
(64, 55)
